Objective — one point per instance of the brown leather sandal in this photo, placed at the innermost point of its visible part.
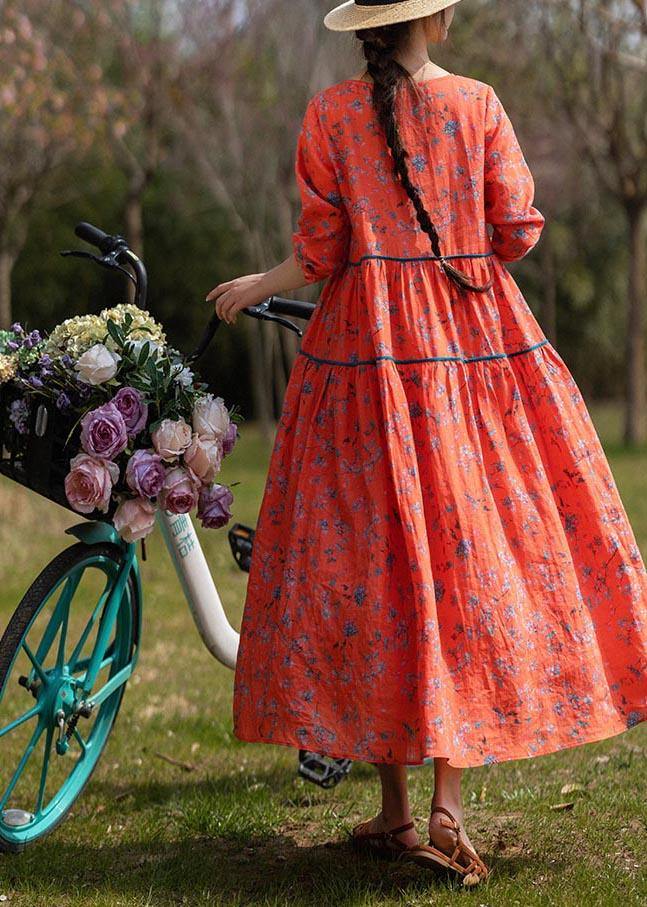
(382, 844)
(472, 871)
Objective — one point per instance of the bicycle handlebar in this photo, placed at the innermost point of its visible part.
(115, 252)
(91, 234)
(270, 309)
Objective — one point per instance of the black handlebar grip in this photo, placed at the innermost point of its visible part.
(297, 308)
(91, 234)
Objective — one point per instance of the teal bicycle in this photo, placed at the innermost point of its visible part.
(72, 643)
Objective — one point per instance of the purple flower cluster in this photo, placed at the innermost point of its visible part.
(22, 338)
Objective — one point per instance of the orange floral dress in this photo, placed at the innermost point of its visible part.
(442, 564)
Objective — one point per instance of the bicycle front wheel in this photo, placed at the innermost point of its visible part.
(48, 752)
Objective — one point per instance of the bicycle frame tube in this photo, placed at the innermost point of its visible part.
(199, 588)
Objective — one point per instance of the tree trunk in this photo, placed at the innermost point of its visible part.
(634, 430)
(7, 261)
(261, 392)
(549, 297)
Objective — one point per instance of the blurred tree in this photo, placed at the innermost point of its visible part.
(49, 103)
(240, 99)
(598, 50)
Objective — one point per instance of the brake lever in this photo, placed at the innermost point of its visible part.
(106, 261)
(260, 311)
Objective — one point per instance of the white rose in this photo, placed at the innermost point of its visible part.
(210, 417)
(97, 365)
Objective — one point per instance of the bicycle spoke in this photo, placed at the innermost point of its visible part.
(116, 681)
(18, 721)
(83, 665)
(59, 615)
(23, 762)
(78, 648)
(43, 772)
(60, 658)
(41, 673)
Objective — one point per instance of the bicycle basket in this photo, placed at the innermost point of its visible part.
(38, 457)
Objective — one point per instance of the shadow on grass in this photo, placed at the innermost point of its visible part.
(274, 869)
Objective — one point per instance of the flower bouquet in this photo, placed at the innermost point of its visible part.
(107, 419)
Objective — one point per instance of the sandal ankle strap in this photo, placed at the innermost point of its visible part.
(397, 831)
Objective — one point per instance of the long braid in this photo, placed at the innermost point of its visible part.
(379, 46)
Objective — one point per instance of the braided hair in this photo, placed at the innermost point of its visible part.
(379, 46)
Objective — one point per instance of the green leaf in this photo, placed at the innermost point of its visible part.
(115, 332)
(144, 354)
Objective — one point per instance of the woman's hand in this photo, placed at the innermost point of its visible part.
(240, 293)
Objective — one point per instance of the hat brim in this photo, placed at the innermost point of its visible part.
(349, 16)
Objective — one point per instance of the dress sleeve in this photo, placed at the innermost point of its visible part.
(509, 187)
(320, 241)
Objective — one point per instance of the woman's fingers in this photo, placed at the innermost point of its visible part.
(217, 291)
(221, 308)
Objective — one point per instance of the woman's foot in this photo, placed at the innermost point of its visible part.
(380, 824)
(443, 837)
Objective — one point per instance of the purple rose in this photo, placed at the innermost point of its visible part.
(17, 328)
(145, 473)
(230, 438)
(130, 404)
(103, 432)
(213, 505)
(179, 492)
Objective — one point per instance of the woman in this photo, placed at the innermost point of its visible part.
(443, 568)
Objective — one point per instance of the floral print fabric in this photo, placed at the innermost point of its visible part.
(442, 563)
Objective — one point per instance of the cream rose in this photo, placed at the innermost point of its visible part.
(204, 457)
(171, 438)
(134, 519)
(210, 417)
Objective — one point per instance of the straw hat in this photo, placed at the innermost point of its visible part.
(369, 14)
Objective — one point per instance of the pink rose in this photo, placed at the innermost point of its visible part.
(204, 457)
(179, 493)
(145, 473)
(89, 482)
(134, 519)
(103, 432)
(171, 438)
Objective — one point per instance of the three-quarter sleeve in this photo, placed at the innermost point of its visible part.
(320, 241)
(509, 187)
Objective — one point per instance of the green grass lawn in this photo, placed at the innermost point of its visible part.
(233, 824)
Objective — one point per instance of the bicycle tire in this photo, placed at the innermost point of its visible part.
(10, 643)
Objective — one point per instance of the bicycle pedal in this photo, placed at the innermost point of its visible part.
(241, 540)
(323, 770)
